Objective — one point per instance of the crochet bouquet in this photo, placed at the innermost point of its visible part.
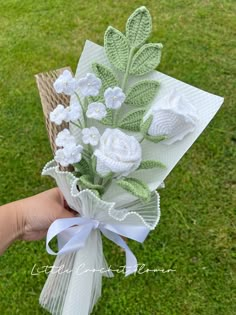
(123, 129)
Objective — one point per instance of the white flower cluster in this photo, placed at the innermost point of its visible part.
(70, 152)
(88, 86)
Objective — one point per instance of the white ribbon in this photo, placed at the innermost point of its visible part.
(72, 234)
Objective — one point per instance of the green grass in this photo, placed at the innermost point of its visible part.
(196, 234)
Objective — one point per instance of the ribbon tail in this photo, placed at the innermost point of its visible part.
(131, 261)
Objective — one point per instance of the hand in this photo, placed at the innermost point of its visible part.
(37, 213)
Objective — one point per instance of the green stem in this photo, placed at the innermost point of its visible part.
(77, 125)
(124, 82)
(125, 78)
(77, 95)
(83, 106)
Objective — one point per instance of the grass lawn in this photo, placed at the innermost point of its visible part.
(196, 235)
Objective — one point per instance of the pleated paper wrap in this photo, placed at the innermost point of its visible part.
(73, 290)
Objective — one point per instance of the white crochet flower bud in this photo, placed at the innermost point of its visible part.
(117, 153)
(173, 116)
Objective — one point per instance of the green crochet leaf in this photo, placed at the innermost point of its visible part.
(145, 125)
(138, 27)
(132, 120)
(142, 93)
(116, 47)
(108, 119)
(155, 139)
(136, 187)
(107, 77)
(146, 59)
(148, 164)
(82, 167)
(86, 182)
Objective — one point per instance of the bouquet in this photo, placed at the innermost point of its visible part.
(117, 128)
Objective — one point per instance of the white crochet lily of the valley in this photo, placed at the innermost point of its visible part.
(173, 116)
(66, 83)
(80, 286)
(89, 85)
(70, 154)
(64, 138)
(96, 111)
(62, 113)
(118, 153)
(90, 136)
(114, 97)
(74, 112)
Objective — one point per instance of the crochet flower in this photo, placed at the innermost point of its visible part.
(96, 111)
(117, 153)
(65, 83)
(58, 115)
(74, 112)
(64, 138)
(114, 98)
(70, 154)
(90, 85)
(173, 116)
(90, 136)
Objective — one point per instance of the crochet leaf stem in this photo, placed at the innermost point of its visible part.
(124, 82)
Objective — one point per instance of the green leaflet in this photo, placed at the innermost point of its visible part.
(146, 59)
(136, 187)
(132, 120)
(116, 47)
(86, 182)
(108, 119)
(142, 93)
(138, 27)
(106, 75)
(82, 167)
(155, 139)
(145, 125)
(148, 164)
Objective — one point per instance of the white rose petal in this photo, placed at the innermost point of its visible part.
(96, 111)
(64, 138)
(114, 98)
(173, 116)
(58, 115)
(65, 83)
(90, 136)
(90, 85)
(117, 153)
(70, 154)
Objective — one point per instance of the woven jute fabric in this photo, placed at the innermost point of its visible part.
(50, 99)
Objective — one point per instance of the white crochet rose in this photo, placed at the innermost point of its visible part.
(173, 116)
(117, 153)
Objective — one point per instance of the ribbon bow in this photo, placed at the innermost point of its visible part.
(72, 234)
